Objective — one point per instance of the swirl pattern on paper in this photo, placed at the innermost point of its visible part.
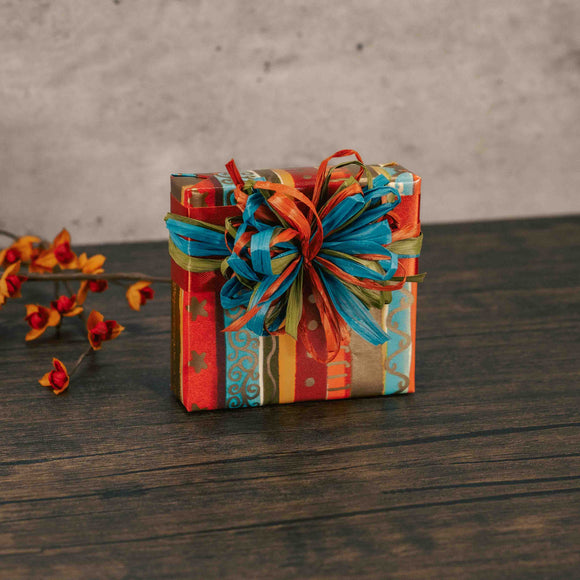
(243, 369)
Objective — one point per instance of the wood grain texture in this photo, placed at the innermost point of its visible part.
(477, 475)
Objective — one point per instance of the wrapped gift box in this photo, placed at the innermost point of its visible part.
(213, 369)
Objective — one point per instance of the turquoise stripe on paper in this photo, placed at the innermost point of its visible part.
(242, 365)
(228, 185)
(400, 343)
(405, 178)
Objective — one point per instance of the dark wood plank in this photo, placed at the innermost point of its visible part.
(476, 475)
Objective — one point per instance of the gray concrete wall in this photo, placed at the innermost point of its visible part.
(101, 100)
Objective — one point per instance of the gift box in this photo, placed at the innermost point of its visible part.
(293, 284)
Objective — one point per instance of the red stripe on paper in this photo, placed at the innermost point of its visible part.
(199, 361)
(310, 376)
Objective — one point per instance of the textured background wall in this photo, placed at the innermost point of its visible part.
(101, 100)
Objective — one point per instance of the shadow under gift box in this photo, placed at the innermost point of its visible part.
(212, 369)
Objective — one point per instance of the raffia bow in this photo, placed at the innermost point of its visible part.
(308, 267)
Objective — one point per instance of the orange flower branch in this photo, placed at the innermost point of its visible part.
(57, 262)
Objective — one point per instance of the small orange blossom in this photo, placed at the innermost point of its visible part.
(137, 294)
(92, 265)
(10, 283)
(57, 379)
(59, 253)
(101, 330)
(39, 318)
(22, 250)
(66, 305)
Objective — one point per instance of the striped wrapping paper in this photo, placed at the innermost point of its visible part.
(212, 369)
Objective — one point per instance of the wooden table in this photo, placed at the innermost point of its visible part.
(476, 475)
